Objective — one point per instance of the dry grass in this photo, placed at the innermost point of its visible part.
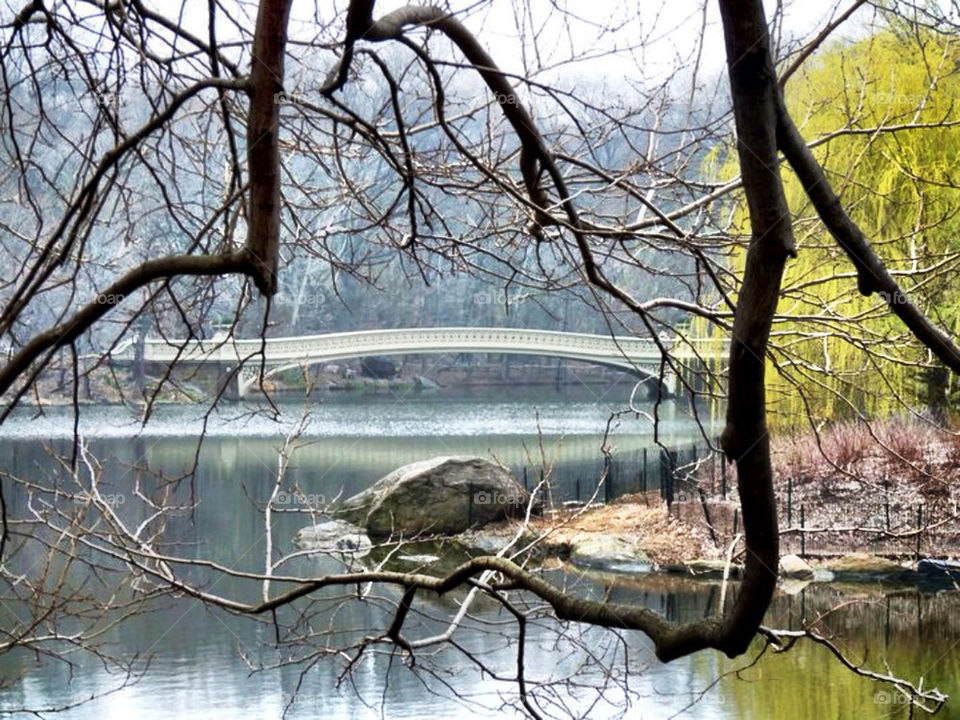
(643, 518)
(867, 474)
(906, 454)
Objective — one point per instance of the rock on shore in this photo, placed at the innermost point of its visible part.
(611, 552)
(444, 495)
(795, 568)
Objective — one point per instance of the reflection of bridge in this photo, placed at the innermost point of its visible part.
(639, 356)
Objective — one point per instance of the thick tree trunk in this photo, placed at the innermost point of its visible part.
(756, 99)
(263, 150)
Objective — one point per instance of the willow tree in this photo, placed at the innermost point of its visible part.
(882, 117)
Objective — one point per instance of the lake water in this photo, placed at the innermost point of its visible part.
(207, 663)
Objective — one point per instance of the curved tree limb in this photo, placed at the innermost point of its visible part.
(359, 18)
(361, 25)
(745, 439)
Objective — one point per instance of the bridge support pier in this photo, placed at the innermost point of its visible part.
(228, 382)
(672, 383)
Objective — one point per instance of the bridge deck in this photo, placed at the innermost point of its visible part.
(641, 356)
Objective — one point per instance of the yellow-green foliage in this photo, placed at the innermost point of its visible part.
(901, 187)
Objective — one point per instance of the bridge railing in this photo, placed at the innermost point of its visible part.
(384, 342)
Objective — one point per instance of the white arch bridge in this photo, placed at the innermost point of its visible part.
(251, 360)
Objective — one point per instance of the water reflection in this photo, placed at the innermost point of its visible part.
(203, 659)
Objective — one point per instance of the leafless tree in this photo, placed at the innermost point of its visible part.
(200, 165)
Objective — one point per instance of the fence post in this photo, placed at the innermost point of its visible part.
(663, 475)
(549, 493)
(525, 485)
(723, 475)
(608, 474)
(470, 505)
(666, 475)
(803, 530)
(713, 470)
(789, 501)
(919, 526)
(644, 470)
(674, 461)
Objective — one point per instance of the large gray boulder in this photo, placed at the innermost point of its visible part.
(442, 495)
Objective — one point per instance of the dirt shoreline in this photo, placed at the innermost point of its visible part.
(637, 535)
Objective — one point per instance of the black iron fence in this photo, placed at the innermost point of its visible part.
(671, 471)
(877, 526)
(699, 487)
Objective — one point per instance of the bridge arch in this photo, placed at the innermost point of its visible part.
(247, 380)
(638, 356)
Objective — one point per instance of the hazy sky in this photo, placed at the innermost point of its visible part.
(618, 40)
